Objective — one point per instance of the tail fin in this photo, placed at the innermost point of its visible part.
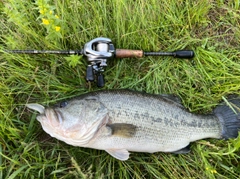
(229, 116)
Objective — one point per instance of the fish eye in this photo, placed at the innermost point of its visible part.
(63, 104)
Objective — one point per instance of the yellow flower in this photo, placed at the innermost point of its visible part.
(51, 12)
(41, 11)
(57, 16)
(213, 171)
(45, 21)
(57, 28)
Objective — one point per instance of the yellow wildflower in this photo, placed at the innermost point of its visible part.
(57, 16)
(57, 28)
(213, 171)
(51, 12)
(41, 11)
(45, 21)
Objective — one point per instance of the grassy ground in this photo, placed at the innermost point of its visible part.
(210, 28)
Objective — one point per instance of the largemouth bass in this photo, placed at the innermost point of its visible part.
(119, 121)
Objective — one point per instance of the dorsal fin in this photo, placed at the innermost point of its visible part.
(173, 99)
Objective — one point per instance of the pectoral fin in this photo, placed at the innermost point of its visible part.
(120, 154)
(122, 129)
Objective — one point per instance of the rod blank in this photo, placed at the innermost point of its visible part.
(59, 52)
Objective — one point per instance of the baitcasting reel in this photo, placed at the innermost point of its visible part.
(99, 50)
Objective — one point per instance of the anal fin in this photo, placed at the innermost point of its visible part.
(184, 150)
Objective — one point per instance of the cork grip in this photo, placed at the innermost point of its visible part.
(124, 53)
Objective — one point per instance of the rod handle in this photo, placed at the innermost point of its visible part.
(183, 54)
(125, 53)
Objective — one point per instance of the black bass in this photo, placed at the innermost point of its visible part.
(119, 121)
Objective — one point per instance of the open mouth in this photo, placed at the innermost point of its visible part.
(37, 107)
(58, 115)
(51, 116)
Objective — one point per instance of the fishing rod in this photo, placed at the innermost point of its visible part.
(99, 50)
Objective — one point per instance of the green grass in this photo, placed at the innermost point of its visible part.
(210, 28)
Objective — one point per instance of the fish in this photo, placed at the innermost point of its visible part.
(124, 121)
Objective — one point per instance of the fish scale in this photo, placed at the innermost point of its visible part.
(154, 133)
(119, 121)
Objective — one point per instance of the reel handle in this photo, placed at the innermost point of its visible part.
(90, 73)
(100, 80)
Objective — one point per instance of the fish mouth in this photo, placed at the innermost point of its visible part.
(37, 107)
(53, 117)
(48, 115)
(58, 116)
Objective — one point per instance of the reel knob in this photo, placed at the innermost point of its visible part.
(90, 73)
(100, 80)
